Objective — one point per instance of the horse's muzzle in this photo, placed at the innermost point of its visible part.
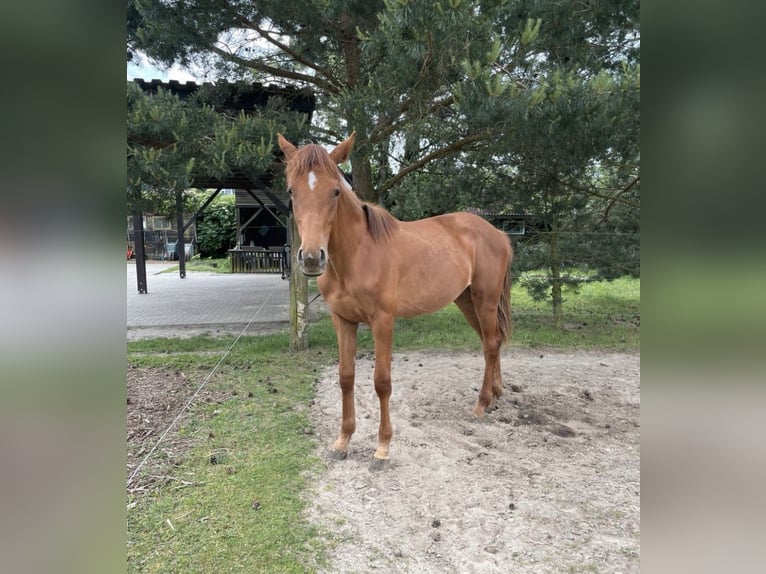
(312, 263)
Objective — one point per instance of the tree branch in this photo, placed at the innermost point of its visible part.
(592, 192)
(455, 147)
(617, 197)
(384, 128)
(266, 35)
(278, 72)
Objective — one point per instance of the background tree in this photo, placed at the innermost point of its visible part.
(568, 153)
(393, 71)
(572, 176)
(173, 142)
(502, 104)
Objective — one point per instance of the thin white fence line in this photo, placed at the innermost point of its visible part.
(194, 396)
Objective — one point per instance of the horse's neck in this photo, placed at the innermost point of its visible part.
(348, 233)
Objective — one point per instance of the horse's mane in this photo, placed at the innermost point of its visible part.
(380, 223)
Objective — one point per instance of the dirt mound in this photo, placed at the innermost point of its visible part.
(155, 397)
(548, 482)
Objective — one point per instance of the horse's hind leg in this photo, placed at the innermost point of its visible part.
(488, 335)
(346, 333)
(465, 303)
(383, 332)
(492, 385)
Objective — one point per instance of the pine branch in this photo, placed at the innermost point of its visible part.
(592, 192)
(278, 72)
(455, 147)
(384, 128)
(617, 197)
(266, 35)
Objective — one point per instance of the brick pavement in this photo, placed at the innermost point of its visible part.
(204, 303)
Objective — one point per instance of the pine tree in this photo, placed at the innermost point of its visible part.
(171, 143)
(504, 104)
(417, 81)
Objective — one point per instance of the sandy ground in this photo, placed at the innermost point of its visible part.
(548, 482)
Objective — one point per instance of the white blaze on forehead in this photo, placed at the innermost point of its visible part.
(312, 180)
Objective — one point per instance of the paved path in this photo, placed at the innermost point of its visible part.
(215, 303)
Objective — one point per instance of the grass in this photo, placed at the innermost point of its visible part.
(205, 521)
(242, 514)
(209, 264)
(602, 315)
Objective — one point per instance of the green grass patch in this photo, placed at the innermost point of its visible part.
(601, 315)
(243, 513)
(209, 264)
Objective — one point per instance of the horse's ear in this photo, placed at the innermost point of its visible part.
(343, 150)
(287, 148)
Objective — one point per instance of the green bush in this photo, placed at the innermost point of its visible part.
(217, 227)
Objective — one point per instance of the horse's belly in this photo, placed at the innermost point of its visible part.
(429, 295)
(408, 291)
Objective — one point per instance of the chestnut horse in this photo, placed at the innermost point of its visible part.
(372, 268)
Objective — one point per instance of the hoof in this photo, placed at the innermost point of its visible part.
(337, 454)
(378, 464)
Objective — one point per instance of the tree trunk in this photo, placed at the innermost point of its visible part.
(356, 116)
(555, 258)
(299, 295)
(361, 172)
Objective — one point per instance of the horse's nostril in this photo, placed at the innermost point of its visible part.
(300, 254)
(322, 256)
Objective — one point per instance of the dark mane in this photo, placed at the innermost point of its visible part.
(380, 223)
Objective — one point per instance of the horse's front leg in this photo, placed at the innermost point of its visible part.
(383, 333)
(346, 333)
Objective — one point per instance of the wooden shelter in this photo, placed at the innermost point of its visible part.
(259, 205)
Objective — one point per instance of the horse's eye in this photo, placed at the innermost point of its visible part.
(336, 193)
(290, 191)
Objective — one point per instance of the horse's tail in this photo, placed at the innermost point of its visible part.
(504, 305)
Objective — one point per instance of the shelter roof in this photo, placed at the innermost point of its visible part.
(248, 97)
(238, 96)
(496, 214)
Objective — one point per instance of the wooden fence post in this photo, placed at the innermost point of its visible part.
(299, 295)
(180, 247)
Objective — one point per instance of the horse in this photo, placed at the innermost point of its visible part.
(372, 268)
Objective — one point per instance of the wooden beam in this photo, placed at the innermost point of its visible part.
(264, 206)
(140, 252)
(284, 210)
(208, 201)
(252, 217)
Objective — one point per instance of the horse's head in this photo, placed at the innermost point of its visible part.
(314, 184)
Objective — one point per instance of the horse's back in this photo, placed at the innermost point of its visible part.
(471, 230)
